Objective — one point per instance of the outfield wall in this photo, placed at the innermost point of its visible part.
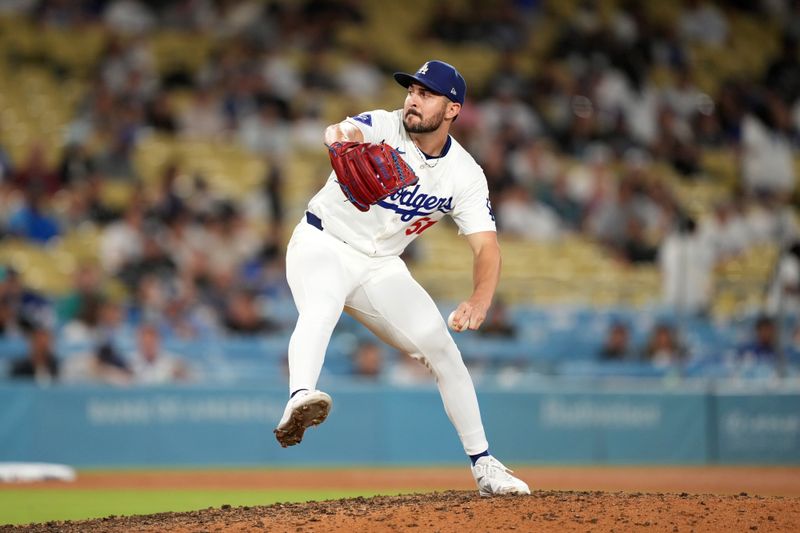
(204, 426)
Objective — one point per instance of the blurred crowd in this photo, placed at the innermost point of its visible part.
(577, 144)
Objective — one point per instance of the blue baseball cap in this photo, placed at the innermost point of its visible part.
(439, 77)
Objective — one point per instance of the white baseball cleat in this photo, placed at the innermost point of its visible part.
(304, 409)
(494, 478)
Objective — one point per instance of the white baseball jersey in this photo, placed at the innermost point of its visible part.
(452, 184)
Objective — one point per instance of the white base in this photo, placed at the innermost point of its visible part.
(27, 472)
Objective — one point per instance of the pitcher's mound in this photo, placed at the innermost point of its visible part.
(463, 512)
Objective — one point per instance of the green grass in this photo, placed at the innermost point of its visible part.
(42, 505)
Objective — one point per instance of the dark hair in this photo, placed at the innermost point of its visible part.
(686, 225)
(764, 320)
(794, 249)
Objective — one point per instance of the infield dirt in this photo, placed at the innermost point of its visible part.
(571, 499)
(465, 511)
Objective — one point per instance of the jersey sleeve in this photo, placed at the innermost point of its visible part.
(376, 126)
(473, 211)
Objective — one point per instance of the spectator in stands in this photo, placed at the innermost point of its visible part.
(789, 19)
(160, 115)
(266, 273)
(359, 77)
(83, 326)
(675, 143)
(641, 107)
(324, 16)
(706, 128)
(501, 25)
(306, 127)
(40, 363)
(150, 299)
(609, 221)
(783, 297)
(518, 214)
(100, 322)
(550, 95)
(85, 288)
(130, 17)
(243, 316)
(6, 164)
(534, 164)
(726, 230)
(770, 220)
(683, 97)
(215, 286)
(616, 346)
(731, 108)
(702, 22)
(183, 241)
(122, 242)
(763, 346)
(85, 205)
(317, 75)
(76, 165)
(202, 198)
(232, 240)
(239, 100)
(182, 316)
(99, 329)
(151, 364)
(168, 201)
(9, 327)
(496, 169)
(266, 133)
(203, 118)
(36, 173)
(368, 361)
(506, 112)
(498, 323)
(590, 184)
(267, 204)
(507, 74)
(686, 260)
(446, 24)
(103, 365)
(636, 247)
(234, 18)
(27, 305)
(663, 348)
(767, 161)
(154, 262)
(32, 220)
(114, 158)
(557, 196)
(582, 133)
(783, 74)
(408, 371)
(280, 73)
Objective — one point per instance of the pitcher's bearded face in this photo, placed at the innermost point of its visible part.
(423, 110)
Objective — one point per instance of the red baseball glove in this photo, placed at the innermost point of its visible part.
(368, 173)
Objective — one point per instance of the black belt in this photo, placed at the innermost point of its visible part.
(314, 220)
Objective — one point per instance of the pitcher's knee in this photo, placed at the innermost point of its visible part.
(317, 319)
(442, 356)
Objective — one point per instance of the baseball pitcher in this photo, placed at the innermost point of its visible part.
(395, 174)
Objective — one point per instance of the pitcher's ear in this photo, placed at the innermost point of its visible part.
(453, 109)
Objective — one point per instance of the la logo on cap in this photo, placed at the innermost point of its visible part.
(423, 69)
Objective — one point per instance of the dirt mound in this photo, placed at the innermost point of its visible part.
(462, 511)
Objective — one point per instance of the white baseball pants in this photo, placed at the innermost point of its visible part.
(327, 276)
